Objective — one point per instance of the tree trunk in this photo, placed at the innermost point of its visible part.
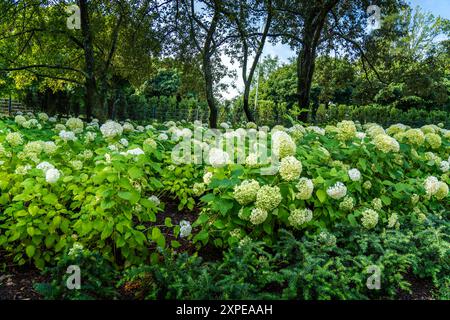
(248, 80)
(305, 71)
(90, 83)
(208, 73)
(213, 112)
(307, 56)
(247, 111)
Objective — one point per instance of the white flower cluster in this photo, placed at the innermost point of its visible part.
(386, 144)
(299, 217)
(377, 204)
(207, 177)
(282, 144)
(347, 204)
(290, 168)
(444, 166)
(369, 218)
(393, 221)
(67, 136)
(44, 166)
(111, 129)
(258, 216)
(155, 200)
(77, 248)
(14, 139)
(431, 185)
(135, 152)
(268, 198)
(218, 158)
(52, 175)
(354, 174)
(75, 124)
(305, 188)
(185, 229)
(337, 191)
(245, 193)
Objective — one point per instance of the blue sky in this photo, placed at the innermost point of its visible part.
(436, 7)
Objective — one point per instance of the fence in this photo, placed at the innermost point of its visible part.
(9, 106)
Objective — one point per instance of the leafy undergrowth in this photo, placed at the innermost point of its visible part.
(333, 207)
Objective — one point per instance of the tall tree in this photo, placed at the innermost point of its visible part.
(249, 41)
(310, 26)
(205, 29)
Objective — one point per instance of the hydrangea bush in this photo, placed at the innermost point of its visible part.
(105, 186)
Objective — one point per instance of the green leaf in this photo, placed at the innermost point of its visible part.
(139, 237)
(30, 250)
(135, 173)
(363, 163)
(267, 226)
(50, 199)
(386, 200)
(175, 244)
(30, 231)
(107, 231)
(201, 236)
(208, 197)
(322, 195)
(224, 205)
(352, 220)
(168, 222)
(132, 196)
(219, 224)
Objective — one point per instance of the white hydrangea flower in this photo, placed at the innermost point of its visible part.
(49, 147)
(386, 144)
(360, 135)
(393, 220)
(23, 170)
(369, 218)
(252, 160)
(185, 229)
(268, 198)
(155, 200)
(52, 175)
(290, 168)
(442, 191)
(299, 217)
(305, 188)
(14, 139)
(245, 193)
(337, 191)
(218, 158)
(163, 137)
(258, 216)
(45, 166)
(135, 152)
(431, 185)
(283, 145)
(354, 174)
(76, 249)
(128, 127)
(67, 135)
(111, 129)
(445, 166)
(207, 177)
(42, 116)
(113, 147)
(317, 130)
(75, 124)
